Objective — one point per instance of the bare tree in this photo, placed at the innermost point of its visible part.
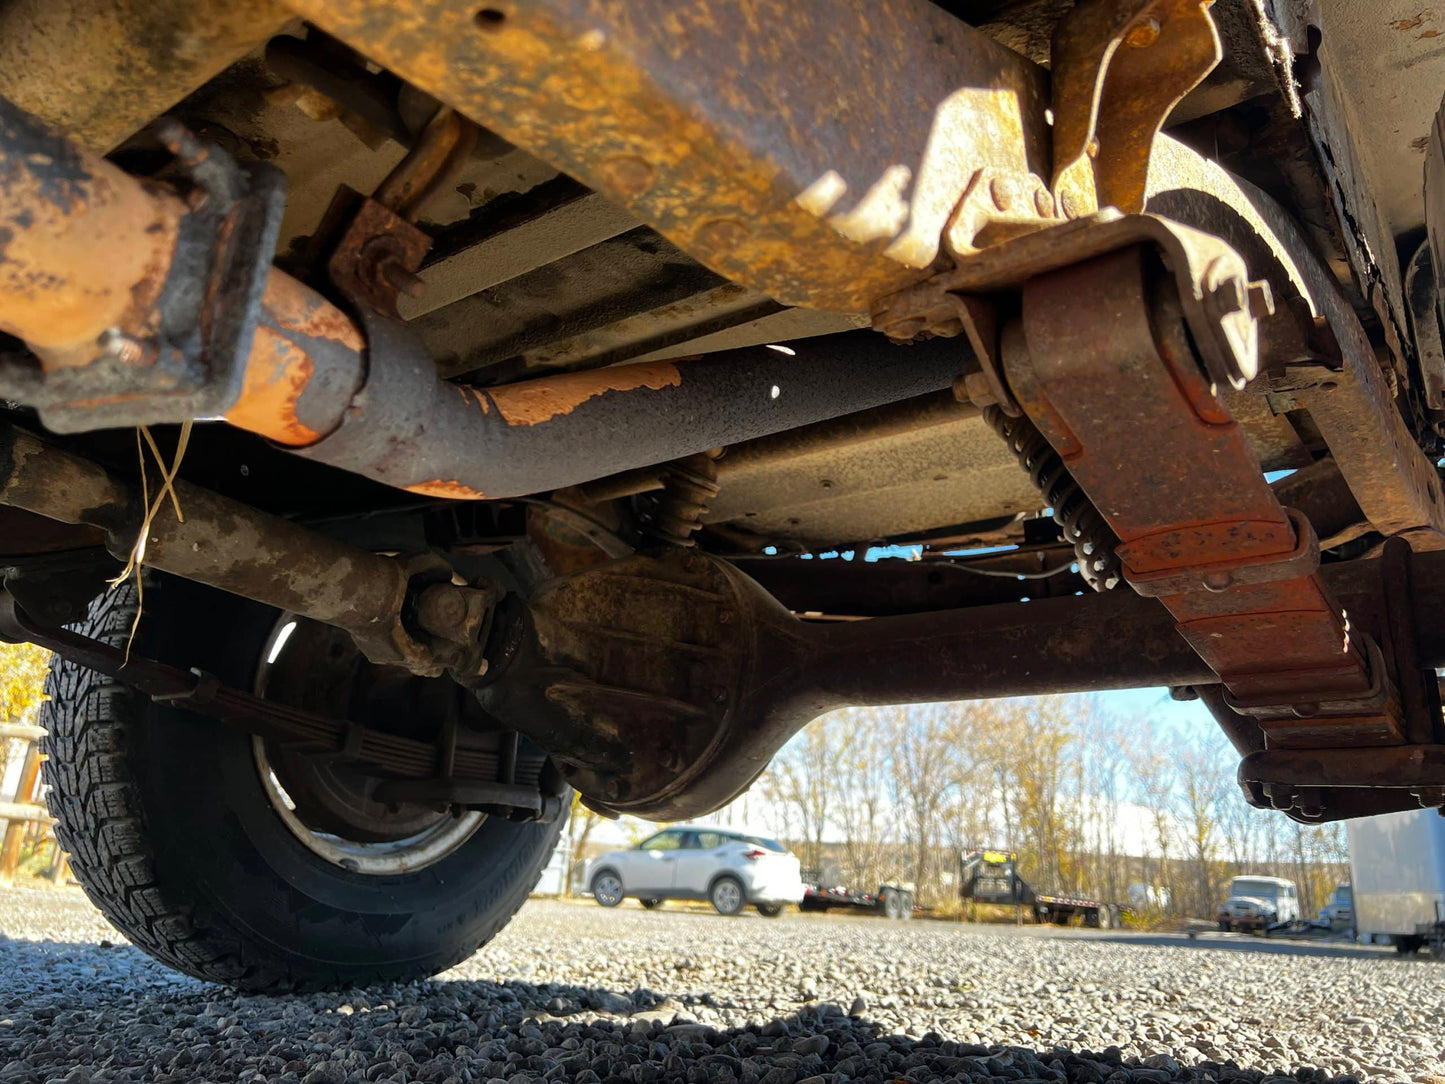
(862, 766)
(803, 778)
(1201, 778)
(922, 778)
(1153, 767)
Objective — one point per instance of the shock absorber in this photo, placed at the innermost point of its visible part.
(688, 487)
(1084, 528)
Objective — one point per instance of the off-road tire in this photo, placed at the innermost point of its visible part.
(770, 910)
(188, 859)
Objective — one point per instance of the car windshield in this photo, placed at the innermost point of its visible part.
(1343, 894)
(1245, 886)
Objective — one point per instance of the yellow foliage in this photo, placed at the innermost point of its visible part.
(22, 680)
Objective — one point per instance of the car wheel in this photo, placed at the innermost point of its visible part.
(607, 888)
(1223, 925)
(770, 910)
(897, 904)
(177, 831)
(650, 904)
(728, 896)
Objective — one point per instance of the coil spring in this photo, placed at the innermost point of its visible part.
(688, 487)
(1083, 527)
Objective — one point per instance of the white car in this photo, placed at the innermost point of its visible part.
(728, 869)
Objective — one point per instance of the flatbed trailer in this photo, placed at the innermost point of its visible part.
(890, 901)
(991, 876)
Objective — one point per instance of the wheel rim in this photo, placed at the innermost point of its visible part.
(607, 889)
(433, 839)
(727, 897)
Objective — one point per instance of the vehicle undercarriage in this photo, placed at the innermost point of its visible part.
(481, 402)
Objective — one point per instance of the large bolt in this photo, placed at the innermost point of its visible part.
(1143, 34)
(1003, 192)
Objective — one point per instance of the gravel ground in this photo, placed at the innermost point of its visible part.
(571, 993)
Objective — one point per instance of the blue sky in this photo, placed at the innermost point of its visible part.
(1190, 718)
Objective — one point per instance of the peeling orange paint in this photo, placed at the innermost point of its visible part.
(277, 372)
(535, 401)
(474, 395)
(81, 259)
(449, 488)
(298, 308)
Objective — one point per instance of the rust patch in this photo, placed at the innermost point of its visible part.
(53, 57)
(277, 372)
(535, 401)
(448, 488)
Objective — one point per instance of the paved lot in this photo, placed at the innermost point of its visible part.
(572, 993)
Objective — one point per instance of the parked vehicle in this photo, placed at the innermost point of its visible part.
(728, 869)
(1397, 873)
(825, 891)
(1258, 902)
(991, 876)
(1340, 909)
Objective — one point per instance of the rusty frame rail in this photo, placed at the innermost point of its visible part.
(814, 151)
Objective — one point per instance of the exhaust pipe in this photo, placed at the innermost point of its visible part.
(139, 305)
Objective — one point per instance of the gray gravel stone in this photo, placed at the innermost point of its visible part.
(571, 994)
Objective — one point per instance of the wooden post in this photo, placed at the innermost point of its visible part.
(24, 793)
(57, 863)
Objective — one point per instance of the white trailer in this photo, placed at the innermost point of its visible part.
(1397, 864)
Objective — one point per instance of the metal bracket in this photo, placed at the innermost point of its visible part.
(1119, 68)
(378, 254)
(1221, 304)
(193, 364)
(1217, 576)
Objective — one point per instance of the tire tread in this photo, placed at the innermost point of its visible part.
(94, 793)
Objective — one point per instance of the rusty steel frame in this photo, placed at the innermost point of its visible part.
(815, 152)
(822, 168)
(959, 145)
(100, 70)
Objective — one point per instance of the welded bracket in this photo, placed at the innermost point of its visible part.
(1119, 69)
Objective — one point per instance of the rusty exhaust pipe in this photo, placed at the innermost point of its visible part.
(115, 283)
